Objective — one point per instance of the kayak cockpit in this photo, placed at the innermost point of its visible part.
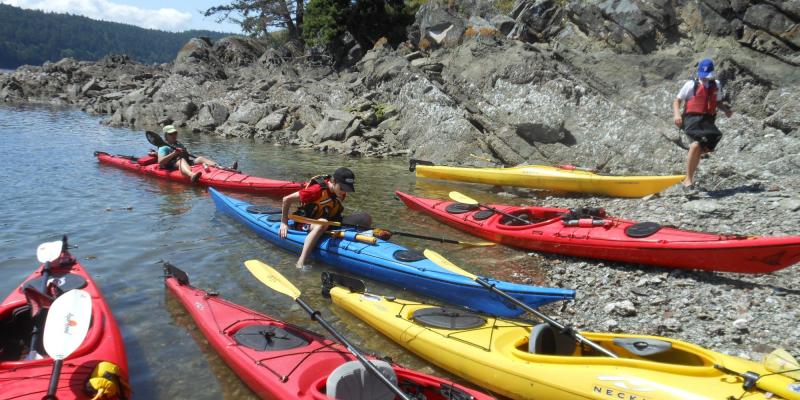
(636, 351)
(16, 329)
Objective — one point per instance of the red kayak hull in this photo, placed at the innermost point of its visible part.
(298, 373)
(23, 379)
(214, 177)
(668, 247)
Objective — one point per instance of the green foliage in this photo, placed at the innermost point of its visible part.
(33, 37)
(369, 20)
(259, 17)
(504, 6)
(324, 21)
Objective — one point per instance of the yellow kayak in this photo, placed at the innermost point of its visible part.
(498, 355)
(563, 178)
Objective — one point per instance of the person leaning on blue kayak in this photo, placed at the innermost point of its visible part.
(701, 97)
(320, 199)
(175, 156)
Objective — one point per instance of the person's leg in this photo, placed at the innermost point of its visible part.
(186, 170)
(311, 242)
(692, 160)
(206, 161)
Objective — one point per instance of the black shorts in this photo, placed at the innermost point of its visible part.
(701, 129)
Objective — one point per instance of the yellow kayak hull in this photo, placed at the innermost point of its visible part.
(495, 357)
(555, 179)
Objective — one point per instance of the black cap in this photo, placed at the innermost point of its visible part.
(345, 178)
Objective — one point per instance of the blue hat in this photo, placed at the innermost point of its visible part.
(705, 68)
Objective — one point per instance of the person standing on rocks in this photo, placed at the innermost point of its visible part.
(320, 199)
(701, 97)
(175, 156)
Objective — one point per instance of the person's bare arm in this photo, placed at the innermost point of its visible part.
(676, 111)
(163, 160)
(286, 205)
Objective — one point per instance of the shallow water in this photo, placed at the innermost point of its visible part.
(125, 225)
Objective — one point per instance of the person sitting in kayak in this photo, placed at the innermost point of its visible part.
(320, 199)
(175, 156)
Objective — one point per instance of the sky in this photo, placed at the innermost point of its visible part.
(168, 15)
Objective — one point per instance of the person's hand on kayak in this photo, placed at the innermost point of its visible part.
(678, 121)
(284, 229)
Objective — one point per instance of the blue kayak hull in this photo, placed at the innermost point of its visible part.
(377, 261)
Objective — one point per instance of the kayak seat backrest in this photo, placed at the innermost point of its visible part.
(16, 330)
(545, 340)
(352, 381)
(643, 347)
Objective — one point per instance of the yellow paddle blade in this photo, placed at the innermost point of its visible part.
(461, 198)
(779, 361)
(478, 244)
(268, 276)
(312, 221)
(446, 264)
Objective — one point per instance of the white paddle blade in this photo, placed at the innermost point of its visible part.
(67, 323)
(49, 251)
(780, 361)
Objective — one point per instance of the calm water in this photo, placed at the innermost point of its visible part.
(125, 225)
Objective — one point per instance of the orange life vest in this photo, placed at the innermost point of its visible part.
(704, 100)
(327, 206)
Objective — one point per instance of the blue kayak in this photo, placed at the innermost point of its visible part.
(390, 263)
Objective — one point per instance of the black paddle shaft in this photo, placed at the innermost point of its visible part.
(156, 140)
(317, 317)
(524, 221)
(51, 389)
(575, 335)
(408, 234)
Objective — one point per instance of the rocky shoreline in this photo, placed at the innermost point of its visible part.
(583, 82)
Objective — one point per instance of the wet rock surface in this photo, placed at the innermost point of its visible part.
(587, 83)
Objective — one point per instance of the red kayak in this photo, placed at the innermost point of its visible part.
(281, 361)
(592, 234)
(25, 374)
(215, 177)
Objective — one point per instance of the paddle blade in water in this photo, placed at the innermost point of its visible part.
(461, 198)
(446, 264)
(67, 323)
(780, 361)
(49, 251)
(272, 278)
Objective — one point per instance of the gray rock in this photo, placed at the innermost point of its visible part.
(503, 23)
(334, 126)
(249, 113)
(238, 51)
(623, 308)
(790, 204)
(702, 206)
(113, 96)
(273, 121)
(212, 114)
(540, 133)
(93, 84)
(438, 25)
(769, 19)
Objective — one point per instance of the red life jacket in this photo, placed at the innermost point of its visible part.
(704, 100)
(328, 206)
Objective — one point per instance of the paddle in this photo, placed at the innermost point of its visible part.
(413, 235)
(45, 253)
(446, 264)
(64, 330)
(272, 278)
(461, 198)
(156, 140)
(781, 362)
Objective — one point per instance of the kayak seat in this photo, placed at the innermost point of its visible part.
(521, 214)
(460, 208)
(15, 334)
(352, 381)
(643, 347)
(642, 229)
(545, 340)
